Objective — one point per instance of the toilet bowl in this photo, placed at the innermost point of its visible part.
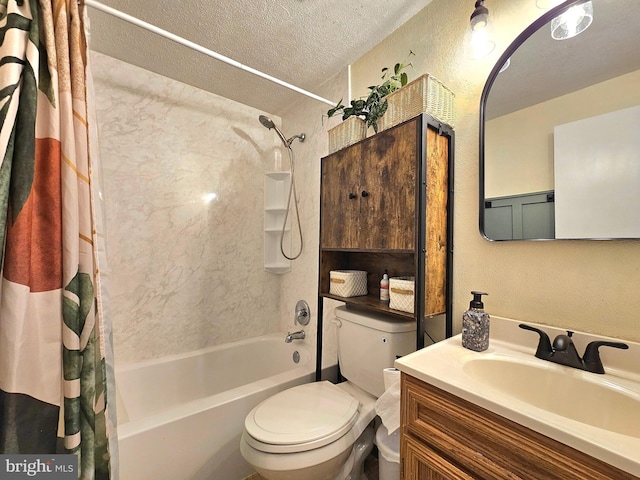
(321, 430)
(316, 431)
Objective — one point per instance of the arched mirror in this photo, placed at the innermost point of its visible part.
(560, 131)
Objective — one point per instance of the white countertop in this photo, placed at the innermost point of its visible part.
(441, 365)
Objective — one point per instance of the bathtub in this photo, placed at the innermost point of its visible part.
(181, 417)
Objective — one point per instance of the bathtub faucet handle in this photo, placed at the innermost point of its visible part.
(303, 313)
(294, 336)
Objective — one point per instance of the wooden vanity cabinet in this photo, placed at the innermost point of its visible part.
(385, 205)
(446, 437)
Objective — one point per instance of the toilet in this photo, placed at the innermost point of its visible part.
(321, 430)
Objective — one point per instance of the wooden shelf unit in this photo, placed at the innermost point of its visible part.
(386, 204)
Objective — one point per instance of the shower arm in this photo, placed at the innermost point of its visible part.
(300, 137)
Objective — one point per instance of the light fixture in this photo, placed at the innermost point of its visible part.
(481, 43)
(572, 22)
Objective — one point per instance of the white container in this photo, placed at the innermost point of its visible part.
(347, 283)
(389, 458)
(424, 94)
(350, 131)
(401, 293)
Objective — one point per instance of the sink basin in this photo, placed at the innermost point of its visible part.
(581, 396)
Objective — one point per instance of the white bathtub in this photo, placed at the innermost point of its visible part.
(181, 417)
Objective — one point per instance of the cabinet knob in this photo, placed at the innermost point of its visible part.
(352, 196)
(365, 193)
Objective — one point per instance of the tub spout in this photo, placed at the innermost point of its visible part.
(294, 336)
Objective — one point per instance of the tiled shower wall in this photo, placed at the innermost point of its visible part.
(182, 175)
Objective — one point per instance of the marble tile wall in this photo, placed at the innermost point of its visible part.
(309, 116)
(183, 194)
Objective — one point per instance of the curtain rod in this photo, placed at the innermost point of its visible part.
(194, 46)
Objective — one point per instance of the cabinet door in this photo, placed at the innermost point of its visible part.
(388, 189)
(422, 463)
(340, 197)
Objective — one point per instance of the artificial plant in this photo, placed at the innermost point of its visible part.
(371, 108)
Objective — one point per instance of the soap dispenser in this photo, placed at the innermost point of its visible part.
(475, 325)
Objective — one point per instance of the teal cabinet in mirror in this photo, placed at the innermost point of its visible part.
(560, 131)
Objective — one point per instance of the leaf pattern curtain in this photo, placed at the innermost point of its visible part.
(56, 379)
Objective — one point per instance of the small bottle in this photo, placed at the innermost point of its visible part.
(384, 287)
(277, 160)
(475, 325)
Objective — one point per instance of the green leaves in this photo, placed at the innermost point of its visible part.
(374, 106)
(399, 77)
(335, 109)
(377, 110)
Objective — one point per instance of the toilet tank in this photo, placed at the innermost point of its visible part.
(368, 343)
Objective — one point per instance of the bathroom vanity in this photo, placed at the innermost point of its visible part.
(445, 437)
(504, 414)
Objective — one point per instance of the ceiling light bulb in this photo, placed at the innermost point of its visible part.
(572, 22)
(480, 16)
(481, 43)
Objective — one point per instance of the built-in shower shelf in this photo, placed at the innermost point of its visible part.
(275, 210)
(276, 194)
(276, 269)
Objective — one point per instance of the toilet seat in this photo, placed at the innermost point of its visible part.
(301, 418)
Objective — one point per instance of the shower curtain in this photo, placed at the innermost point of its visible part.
(56, 388)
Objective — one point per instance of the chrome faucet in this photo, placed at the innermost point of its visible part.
(294, 336)
(564, 351)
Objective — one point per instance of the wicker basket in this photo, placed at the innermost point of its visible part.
(425, 94)
(401, 293)
(352, 130)
(348, 283)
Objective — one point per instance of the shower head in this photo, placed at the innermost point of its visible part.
(268, 123)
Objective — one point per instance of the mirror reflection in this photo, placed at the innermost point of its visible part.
(560, 149)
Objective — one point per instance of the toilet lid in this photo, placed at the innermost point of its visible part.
(303, 417)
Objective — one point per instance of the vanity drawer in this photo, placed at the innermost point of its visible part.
(484, 445)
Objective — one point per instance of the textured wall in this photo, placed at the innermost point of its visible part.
(185, 272)
(309, 116)
(582, 285)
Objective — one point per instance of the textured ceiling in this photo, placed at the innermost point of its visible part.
(302, 42)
